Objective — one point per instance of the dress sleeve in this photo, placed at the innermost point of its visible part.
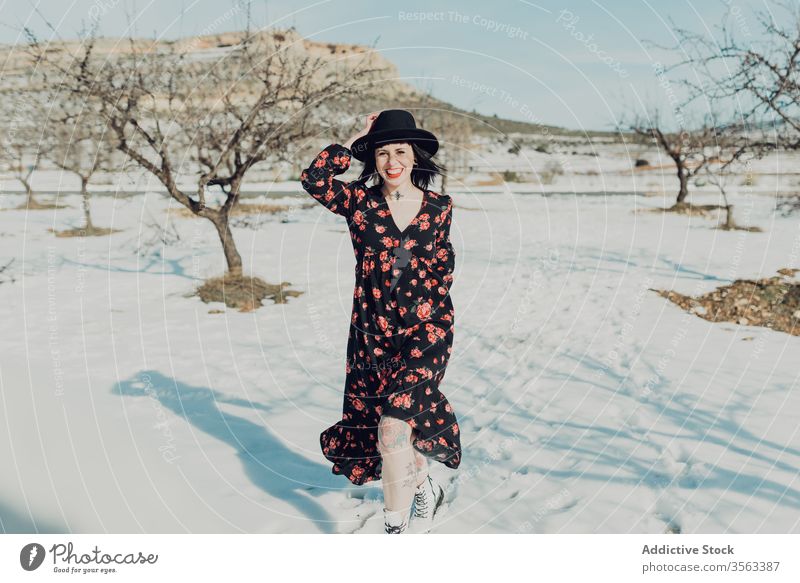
(445, 254)
(318, 180)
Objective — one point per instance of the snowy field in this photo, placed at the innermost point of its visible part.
(586, 402)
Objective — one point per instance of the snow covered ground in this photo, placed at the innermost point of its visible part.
(586, 402)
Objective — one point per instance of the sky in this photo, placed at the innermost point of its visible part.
(582, 65)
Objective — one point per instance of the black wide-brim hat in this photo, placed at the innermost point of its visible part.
(393, 125)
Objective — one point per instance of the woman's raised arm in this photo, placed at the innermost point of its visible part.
(318, 180)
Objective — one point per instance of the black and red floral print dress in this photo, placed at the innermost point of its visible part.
(401, 328)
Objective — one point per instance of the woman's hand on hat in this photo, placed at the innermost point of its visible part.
(370, 119)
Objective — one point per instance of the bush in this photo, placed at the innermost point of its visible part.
(749, 179)
(551, 170)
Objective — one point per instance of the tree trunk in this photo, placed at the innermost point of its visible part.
(729, 222)
(86, 211)
(232, 256)
(32, 202)
(683, 177)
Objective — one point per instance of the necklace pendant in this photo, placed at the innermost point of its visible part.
(397, 195)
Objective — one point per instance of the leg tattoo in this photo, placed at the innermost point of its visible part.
(398, 464)
(421, 463)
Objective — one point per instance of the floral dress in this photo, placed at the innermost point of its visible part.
(401, 327)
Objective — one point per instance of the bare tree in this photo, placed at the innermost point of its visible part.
(80, 143)
(21, 164)
(6, 275)
(185, 118)
(21, 146)
(766, 70)
(757, 72)
(734, 147)
(685, 148)
(453, 128)
(456, 131)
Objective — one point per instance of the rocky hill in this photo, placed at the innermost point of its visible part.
(391, 91)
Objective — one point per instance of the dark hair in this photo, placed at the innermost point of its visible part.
(422, 175)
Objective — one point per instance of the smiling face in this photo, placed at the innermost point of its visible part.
(394, 163)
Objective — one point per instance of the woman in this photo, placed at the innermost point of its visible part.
(394, 417)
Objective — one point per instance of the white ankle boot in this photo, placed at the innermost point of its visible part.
(427, 500)
(396, 521)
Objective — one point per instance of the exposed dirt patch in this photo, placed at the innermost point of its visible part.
(687, 208)
(84, 232)
(495, 179)
(735, 227)
(242, 292)
(35, 205)
(244, 209)
(704, 211)
(772, 302)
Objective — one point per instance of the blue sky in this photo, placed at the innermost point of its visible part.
(579, 64)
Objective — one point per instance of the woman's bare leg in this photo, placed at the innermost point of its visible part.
(420, 461)
(398, 464)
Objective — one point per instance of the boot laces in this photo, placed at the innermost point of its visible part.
(420, 503)
(421, 500)
(392, 529)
